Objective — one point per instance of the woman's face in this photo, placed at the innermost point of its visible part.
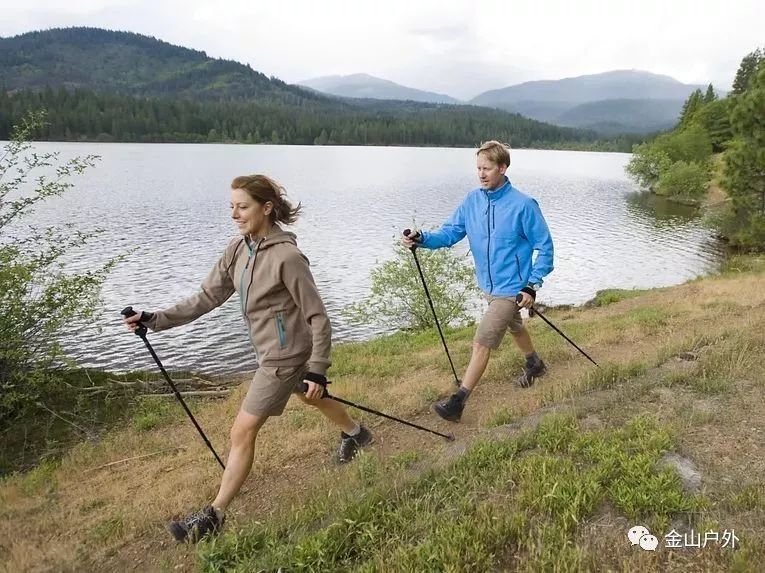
(490, 174)
(250, 216)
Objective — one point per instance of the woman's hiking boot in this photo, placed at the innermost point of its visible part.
(195, 526)
(450, 408)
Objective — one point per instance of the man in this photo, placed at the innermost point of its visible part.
(504, 228)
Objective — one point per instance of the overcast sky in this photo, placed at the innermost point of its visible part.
(460, 48)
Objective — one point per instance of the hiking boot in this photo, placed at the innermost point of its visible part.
(531, 373)
(196, 526)
(350, 445)
(450, 408)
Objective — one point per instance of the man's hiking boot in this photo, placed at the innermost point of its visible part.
(350, 445)
(196, 526)
(450, 408)
(531, 373)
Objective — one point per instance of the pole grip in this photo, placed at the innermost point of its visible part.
(415, 237)
(302, 387)
(127, 312)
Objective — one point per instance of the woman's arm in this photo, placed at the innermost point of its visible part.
(215, 290)
(297, 277)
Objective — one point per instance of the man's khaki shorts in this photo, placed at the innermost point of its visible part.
(502, 315)
(271, 388)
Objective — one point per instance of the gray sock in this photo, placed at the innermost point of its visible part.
(533, 359)
(463, 393)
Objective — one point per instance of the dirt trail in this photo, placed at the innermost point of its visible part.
(112, 519)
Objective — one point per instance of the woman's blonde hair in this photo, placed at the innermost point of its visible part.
(496, 152)
(264, 189)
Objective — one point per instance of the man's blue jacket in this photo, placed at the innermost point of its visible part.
(504, 228)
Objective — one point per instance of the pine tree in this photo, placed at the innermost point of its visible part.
(714, 117)
(322, 139)
(710, 96)
(745, 166)
(691, 106)
(746, 70)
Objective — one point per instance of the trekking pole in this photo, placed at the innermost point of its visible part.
(302, 386)
(413, 248)
(519, 298)
(141, 331)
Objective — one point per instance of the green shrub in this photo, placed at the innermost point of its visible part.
(397, 298)
(684, 181)
(650, 161)
(608, 296)
(647, 164)
(153, 412)
(689, 144)
(38, 297)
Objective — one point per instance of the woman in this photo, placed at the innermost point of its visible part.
(288, 327)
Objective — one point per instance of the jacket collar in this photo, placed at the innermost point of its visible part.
(277, 236)
(500, 192)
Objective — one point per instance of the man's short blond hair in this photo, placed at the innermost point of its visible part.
(496, 152)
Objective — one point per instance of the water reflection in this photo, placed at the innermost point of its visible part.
(653, 208)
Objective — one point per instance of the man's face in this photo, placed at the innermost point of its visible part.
(490, 174)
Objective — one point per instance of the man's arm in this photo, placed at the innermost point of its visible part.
(450, 233)
(536, 231)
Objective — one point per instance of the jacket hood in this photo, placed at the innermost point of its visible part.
(277, 237)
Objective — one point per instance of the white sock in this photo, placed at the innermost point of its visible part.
(355, 432)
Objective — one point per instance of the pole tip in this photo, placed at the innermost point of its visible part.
(450, 437)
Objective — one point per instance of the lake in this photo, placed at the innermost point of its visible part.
(167, 205)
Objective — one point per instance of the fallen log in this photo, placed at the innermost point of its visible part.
(136, 458)
(205, 393)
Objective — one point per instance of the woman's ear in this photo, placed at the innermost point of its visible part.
(268, 207)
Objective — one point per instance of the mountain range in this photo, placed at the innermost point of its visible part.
(366, 86)
(127, 63)
(621, 101)
(609, 102)
(120, 86)
(631, 100)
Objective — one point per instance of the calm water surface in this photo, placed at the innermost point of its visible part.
(168, 204)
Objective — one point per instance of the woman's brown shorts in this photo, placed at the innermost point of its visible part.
(271, 388)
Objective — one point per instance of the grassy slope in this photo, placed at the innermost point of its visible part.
(547, 478)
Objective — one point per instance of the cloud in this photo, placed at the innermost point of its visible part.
(462, 79)
(446, 32)
(459, 48)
